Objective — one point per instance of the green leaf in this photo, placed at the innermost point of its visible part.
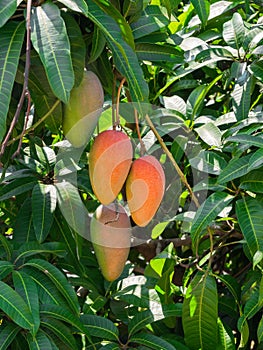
(11, 37)
(260, 330)
(16, 187)
(200, 313)
(225, 337)
(151, 341)
(26, 288)
(241, 96)
(253, 181)
(249, 214)
(158, 52)
(49, 38)
(100, 327)
(236, 168)
(98, 44)
(60, 330)
(256, 160)
(24, 230)
(210, 134)
(63, 314)
(207, 212)
(208, 162)
(7, 9)
(251, 140)
(234, 31)
(43, 206)
(59, 280)
(202, 8)
(151, 20)
(7, 335)
(6, 267)
(40, 341)
(33, 248)
(76, 5)
(124, 57)
(158, 229)
(257, 69)
(15, 307)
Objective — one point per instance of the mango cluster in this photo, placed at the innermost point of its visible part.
(111, 166)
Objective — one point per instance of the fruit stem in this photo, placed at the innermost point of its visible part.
(143, 149)
(113, 104)
(170, 156)
(117, 121)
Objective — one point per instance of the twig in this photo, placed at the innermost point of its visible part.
(117, 122)
(143, 150)
(175, 165)
(25, 91)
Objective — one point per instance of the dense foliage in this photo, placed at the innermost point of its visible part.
(194, 72)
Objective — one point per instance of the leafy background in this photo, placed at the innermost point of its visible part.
(197, 282)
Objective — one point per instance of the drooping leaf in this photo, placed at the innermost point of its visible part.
(234, 31)
(76, 5)
(251, 140)
(210, 134)
(60, 281)
(15, 307)
(207, 212)
(7, 9)
(256, 160)
(202, 8)
(26, 288)
(200, 313)
(151, 341)
(43, 207)
(256, 68)
(24, 230)
(11, 37)
(49, 38)
(253, 181)
(98, 44)
(40, 341)
(241, 96)
(16, 187)
(7, 335)
(236, 168)
(226, 339)
(100, 327)
(249, 214)
(208, 162)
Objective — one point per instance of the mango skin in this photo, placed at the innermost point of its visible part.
(145, 187)
(110, 160)
(83, 110)
(110, 233)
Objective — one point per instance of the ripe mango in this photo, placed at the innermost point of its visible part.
(110, 159)
(110, 232)
(145, 189)
(83, 110)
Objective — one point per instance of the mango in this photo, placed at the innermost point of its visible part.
(145, 187)
(110, 160)
(83, 110)
(110, 233)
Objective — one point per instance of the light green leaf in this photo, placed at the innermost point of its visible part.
(210, 134)
(158, 229)
(100, 327)
(59, 280)
(76, 5)
(226, 339)
(202, 8)
(49, 38)
(123, 55)
(15, 307)
(7, 9)
(208, 162)
(7, 335)
(11, 37)
(43, 206)
(234, 31)
(249, 214)
(236, 168)
(26, 288)
(151, 341)
(200, 313)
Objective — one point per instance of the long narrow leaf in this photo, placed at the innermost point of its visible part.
(41, 341)
(100, 327)
(7, 9)
(200, 313)
(11, 38)
(60, 281)
(15, 307)
(7, 335)
(50, 40)
(202, 8)
(152, 341)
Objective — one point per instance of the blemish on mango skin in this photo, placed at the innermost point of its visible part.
(110, 232)
(110, 160)
(145, 187)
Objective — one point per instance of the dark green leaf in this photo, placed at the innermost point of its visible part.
(15, 307)
(236, 168)
(11, 38)
(50, 40)
(156, 52)
(26, 288)
(256, 160)
(59, 280)
(200, 313)
(7, 9)
(98, 44)
(16, 187)
(151, 341)
(76, 5)
(6, 267)
(100, 327)
(249, 214)
(253, 181)
(23, 230)
(33, 248)
(7, 335)
(40, 341)
(257, 69)
(43, 206)
(256, 141)
(202, 8)
(208, 162)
